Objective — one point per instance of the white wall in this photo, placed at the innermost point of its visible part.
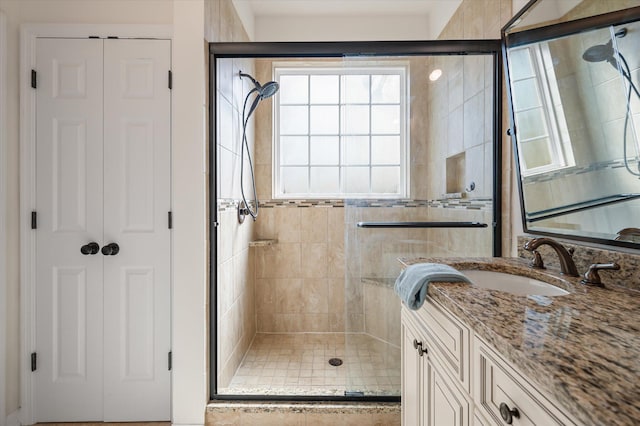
(189, 319)
(3, 232)
(189, 161)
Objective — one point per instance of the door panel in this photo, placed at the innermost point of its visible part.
(136, 202)
(68, 381)
(103, 175)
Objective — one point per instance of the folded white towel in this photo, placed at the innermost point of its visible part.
(413, 282)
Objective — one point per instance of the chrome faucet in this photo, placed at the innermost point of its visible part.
(567, 265)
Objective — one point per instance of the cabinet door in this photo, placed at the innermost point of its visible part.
(446, 404)
(411, 377)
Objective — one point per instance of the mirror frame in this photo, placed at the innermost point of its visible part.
(543, 33)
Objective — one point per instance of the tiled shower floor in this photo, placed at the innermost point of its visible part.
(298, 364)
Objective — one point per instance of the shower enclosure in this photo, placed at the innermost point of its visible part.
(360, 160)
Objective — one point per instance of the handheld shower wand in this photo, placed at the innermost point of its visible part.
(261, 92)
(607, 53)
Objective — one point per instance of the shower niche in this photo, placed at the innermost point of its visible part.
(302, 301)
(573, 70)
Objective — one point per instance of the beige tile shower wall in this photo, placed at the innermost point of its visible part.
(300, 279)
(235, 268)
(476, 19)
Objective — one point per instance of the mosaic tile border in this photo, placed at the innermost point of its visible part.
(464, 204)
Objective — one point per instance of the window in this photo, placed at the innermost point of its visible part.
(543, 136)
(340, 132)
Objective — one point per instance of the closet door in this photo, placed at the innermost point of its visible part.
(137, 183)
(103, 176)
(69, 309)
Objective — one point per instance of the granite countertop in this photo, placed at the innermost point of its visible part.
(582, 349)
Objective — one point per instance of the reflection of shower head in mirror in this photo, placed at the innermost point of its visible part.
(604, 52)
(599, 53)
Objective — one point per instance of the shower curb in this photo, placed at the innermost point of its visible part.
(235, 412)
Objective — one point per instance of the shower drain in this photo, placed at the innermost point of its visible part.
(335, 362)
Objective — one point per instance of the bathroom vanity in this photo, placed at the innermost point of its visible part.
(473, 356)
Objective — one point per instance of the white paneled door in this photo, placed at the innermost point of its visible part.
(102, 237)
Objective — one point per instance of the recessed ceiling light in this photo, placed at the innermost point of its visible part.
(435, 74)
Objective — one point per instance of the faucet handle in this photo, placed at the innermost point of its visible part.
(592, 278)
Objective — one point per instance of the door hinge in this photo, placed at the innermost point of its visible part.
(170, 80)
(34, 79)
(34, 220)
(170, 360)
(170, 220)
(34, 361)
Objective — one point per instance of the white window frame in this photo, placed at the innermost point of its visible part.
(560, 148)
(400, 68)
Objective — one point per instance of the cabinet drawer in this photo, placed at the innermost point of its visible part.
(496, 382)
(449, 338)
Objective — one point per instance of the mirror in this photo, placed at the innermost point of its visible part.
(574, 83)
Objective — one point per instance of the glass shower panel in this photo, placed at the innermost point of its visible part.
(445, 151)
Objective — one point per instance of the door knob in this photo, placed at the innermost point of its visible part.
(111, 249)
(91, 248)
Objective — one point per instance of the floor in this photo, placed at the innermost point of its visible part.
(298, 364)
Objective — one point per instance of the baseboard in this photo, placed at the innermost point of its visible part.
(13, 419)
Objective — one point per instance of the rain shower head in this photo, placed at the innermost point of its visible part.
(264, 91)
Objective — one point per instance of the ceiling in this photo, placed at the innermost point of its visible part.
(264, 19)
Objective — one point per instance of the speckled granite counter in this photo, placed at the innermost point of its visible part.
(583, 349)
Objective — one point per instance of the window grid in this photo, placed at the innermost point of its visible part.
(343, 167)
(559, 154)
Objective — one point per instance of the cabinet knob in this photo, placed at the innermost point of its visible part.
(418, 346)
(508, 413)
(111, 249)
(91, 248)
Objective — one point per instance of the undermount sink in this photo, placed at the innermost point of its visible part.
(514, 284)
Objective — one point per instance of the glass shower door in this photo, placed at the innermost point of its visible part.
(447, 210)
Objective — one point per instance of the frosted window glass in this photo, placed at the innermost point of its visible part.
(355, 119)
(294, 120)
(325, 89)
(325, 120)
(325, 150)
(356, 180)
(531, 124)
(355, 89)
(520, 64)
(295, 180)
(385, 150)
(536, 153)
(356, 150)
(385, 89)
(325, 180)
(526, 94)
(385, 119)
(385, 180)
(294, 89)
(294, 150)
